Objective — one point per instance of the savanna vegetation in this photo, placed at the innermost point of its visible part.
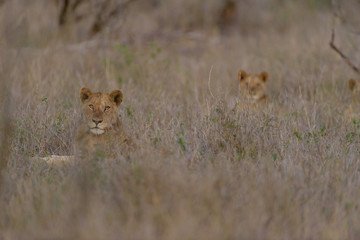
(201, 170)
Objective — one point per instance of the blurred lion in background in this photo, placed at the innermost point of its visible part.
(349, 112)
(252, 89)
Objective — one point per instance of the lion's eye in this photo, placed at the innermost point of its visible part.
(91, 107)
(106, 108)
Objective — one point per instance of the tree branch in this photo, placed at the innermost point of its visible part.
(102, 20)
(63, 12)
(336, 49)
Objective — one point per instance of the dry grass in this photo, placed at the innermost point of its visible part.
(201, 171)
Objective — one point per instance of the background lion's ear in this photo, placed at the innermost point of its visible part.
(117, 97)
(242, 75)
(85, 93)
(352, 84)
(264, 76)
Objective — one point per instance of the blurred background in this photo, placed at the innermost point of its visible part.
(34, 23)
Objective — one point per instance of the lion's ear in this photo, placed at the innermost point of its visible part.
(242, 75)
(85, 93)
(117, 97)
(264, 76)
(352, 84)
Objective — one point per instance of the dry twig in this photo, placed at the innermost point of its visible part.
(210, 81)
(336, 49)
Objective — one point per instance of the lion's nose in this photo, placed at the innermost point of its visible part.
(97, 121)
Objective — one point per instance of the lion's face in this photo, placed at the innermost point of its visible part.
(253, 86)
(100, 109)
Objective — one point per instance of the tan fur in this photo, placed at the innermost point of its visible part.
(354, 86)
(252, 88)
(103, 130)
(349, 112)
(56, 160)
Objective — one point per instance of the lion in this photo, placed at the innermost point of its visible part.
(103, 130)
(354, 87)
(102, 133)
(252, 88)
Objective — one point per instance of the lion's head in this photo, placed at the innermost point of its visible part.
(253, 86)
(354, 86)
(100, 109)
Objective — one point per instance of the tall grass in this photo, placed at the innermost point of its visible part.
(201, 170)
